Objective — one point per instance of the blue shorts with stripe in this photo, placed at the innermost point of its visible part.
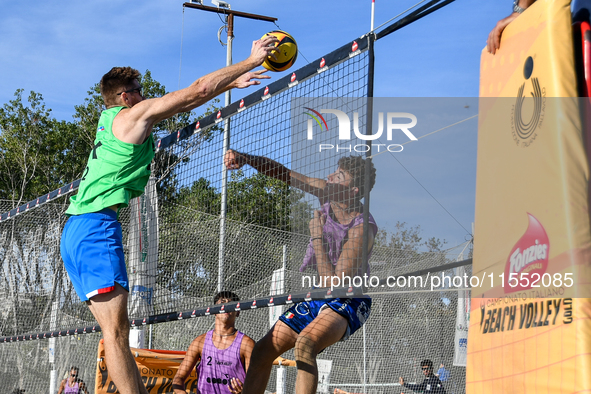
(355, 310)
(92, 251)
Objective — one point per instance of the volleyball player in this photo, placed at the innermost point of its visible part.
(222, 355)
(335, 248)
(117, 171)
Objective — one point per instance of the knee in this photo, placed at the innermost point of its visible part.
(118, 331)
(262, 354)
(305, 348)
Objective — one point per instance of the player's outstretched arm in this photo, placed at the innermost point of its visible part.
(192, 357)
(135, 125)
(234, 160)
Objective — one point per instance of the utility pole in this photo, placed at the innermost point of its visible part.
(225, 9)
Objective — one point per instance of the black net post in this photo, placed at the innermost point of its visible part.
(368, 131)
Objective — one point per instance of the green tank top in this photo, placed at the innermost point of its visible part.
(117, 171)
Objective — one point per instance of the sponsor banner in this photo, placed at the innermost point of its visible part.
(529, 328)
(157, 368)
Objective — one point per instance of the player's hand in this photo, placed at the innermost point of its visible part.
(401, 380)
(233, 160)
(249, 79)
(493, 43)
(317, 224)
(263, 48)
(235, 386)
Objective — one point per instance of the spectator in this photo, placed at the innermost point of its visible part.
(431, 384)
(442, 373)
(72, 384)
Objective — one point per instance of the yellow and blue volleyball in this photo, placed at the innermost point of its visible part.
(287, 52)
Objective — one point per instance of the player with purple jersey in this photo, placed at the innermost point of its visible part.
(72, 384)
(222, 355)
(335, 249)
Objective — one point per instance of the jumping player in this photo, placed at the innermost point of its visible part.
(117, 171)
(223, 355)
(335, 248)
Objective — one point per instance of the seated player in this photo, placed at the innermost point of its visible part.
(431, 384)
(72, 384)
(223, 355)
(335, 249)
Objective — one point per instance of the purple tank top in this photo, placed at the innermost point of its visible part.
(71, 390)
(217, 366)
(335, 235)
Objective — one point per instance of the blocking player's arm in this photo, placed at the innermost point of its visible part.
(135, 125)
(234, 160)
(350, 259)
(192, 357)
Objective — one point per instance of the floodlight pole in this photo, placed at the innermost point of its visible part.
(226, 144)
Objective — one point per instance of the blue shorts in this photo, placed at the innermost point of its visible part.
(355, 310)
(92, 251)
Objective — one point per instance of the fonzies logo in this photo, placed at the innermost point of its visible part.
(528, 256)
(345, 129)
(527, 116)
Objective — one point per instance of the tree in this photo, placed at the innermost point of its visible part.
(407, 239)
(259, 222)
(37, 153)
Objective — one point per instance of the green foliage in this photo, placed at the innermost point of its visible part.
(193, 221)
(259, 199)
(408, 239)
(37, 153)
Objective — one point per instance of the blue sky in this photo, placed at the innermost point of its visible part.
(60, 49)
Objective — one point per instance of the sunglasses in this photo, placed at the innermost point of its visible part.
(139, 90)
(425, 368)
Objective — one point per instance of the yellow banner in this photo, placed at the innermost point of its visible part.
(530, 329)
